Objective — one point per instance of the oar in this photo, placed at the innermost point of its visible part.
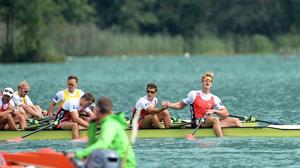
(30, 127)
(180, 125)
(192, 136)
(20, 139)
(253, 119)
(37, 121)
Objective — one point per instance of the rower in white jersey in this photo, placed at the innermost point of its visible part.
(70, 92)
(68, 116)
(204, 104)
(9, 113)
(150, 114)
(23, 101)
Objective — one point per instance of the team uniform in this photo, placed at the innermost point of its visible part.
(4, 107)
(69, 106)
(143, 103)
(201, 102)
(64, 95)
(21, 100)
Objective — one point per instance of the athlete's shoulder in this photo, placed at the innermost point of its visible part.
(16, 96)
(142, 99)
(218, 101)
(61, 92)
(27, 97)
(59, 96)
(215, 97)
(80, 91)
(193, 92)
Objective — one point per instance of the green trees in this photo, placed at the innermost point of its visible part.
(26, 22)
(39, 30)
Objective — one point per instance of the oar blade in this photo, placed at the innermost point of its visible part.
(18, 139)
(82, 139)
(190, 137)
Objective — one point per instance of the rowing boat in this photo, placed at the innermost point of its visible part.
(41, 158)
(251, 129)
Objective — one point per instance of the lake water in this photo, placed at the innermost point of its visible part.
(267, 87)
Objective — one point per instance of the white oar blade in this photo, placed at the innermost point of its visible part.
(135, 126)
(285, 127)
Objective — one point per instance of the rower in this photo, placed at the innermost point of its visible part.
(70, 92)
(202, 103)
(151, 116)
(24, 102)
(68, 116)
(9, 114)
(112, 135)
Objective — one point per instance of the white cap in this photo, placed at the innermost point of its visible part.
(8, 91)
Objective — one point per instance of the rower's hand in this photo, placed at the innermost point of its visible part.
(165, 104)
(11, 109)
(210, 112)
(70, 155)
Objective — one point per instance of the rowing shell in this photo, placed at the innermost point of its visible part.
(246, 131)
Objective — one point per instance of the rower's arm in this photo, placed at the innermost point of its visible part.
(28, 109)
(154, 110)
(92, 132)
(106, 136)
(223, 112)
(77, 119)
(177, 105)
(91, 114)
(51, 108)
(6, 112)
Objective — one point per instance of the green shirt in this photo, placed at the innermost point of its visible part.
(112, 136)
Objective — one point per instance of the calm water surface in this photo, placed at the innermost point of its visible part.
(265, 86)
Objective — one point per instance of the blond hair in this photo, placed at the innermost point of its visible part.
(22, 84)
(208, 74)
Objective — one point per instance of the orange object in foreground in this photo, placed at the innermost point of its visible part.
(42, 158)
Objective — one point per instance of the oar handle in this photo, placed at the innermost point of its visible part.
(235, 116)
(198, 126)
(243, 118)
(201, 121)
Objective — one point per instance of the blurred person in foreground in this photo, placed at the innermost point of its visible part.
(111, 134)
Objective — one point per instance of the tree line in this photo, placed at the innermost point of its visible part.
(28, 24)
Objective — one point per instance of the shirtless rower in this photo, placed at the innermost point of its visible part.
(203, 104)
(68, 116)
(150, 114)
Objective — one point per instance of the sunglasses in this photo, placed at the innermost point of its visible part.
(152, 92)
(207, 80)
(71, 84)
(8, 91)
(25, 91)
